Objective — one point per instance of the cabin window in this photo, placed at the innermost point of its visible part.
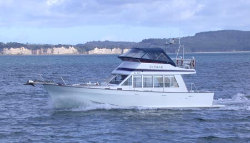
(117, 79)
(162, 57)
(137, 81)
(174, 82)
(128, 82)
(158, 81)
(170, 81)
(167, 81)
(147, 81)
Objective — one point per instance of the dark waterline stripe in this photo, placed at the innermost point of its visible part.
(129, 69)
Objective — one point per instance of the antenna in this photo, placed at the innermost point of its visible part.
(183, 51)
(170, 42)
(177, 53)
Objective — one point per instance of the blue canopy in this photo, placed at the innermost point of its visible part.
(149, 55)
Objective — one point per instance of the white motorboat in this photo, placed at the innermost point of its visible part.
(147, 77)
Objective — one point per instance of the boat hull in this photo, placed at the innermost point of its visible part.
(131, 98)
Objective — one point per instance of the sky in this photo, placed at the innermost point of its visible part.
(80, 21)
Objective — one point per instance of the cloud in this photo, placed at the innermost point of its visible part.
(53, 2)
(5, 2)
(97, 12)
(185, 16)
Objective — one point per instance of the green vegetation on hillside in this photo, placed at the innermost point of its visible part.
(215, 41)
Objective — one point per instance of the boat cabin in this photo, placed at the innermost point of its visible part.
(148, 69)
(148, 82)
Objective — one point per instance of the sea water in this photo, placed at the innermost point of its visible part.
(28, 114)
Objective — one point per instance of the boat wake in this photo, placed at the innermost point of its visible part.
(237, 102)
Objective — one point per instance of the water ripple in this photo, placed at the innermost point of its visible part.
(28, 114)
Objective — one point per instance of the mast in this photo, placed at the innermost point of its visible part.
(172, 41)
(178, 50)
(183, 52)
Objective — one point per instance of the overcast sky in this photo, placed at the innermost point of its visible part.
(79, 21)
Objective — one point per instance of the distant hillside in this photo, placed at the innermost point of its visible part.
(226, 40)
(213, 41)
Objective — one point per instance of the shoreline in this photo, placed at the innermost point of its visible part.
(224, 52)
(218, 52)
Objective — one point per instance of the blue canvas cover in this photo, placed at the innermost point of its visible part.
(149, 55)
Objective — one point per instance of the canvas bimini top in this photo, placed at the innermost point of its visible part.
(148, 55)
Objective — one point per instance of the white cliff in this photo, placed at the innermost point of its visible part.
(107, 51)
(16, 51)
(60, 51)
(49, 51)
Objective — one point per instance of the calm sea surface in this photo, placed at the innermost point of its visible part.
(27, 113)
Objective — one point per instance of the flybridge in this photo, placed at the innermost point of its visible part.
(157, 56)
(147, 55)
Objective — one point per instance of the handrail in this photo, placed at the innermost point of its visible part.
(191, 89)
(185, 63)
(63, 81)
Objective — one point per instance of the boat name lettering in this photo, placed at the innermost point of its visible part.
(156, 67)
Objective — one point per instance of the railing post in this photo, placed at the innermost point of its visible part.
(63, 81)
(191, 87)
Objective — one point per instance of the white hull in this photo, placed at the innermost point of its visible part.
(132, 98)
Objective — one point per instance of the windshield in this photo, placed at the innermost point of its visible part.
(156, 55)
(117, 79)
